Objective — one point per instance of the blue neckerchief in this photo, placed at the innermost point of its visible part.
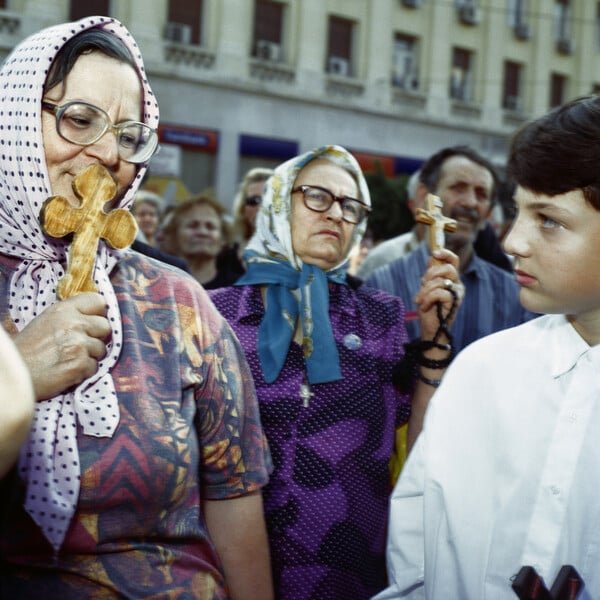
(277, 326)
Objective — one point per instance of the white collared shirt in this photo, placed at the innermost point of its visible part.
(506, 472)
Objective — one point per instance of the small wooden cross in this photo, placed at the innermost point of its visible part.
(437, 222)
(88, 223)
(528, 585)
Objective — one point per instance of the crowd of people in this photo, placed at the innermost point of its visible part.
(158, 440)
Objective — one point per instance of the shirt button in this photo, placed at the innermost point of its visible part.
(555, 490)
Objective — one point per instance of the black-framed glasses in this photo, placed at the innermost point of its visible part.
(84, 124)
(320, 199)
(252, 200)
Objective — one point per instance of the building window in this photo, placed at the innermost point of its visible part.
(511, 92)
(405, 72)
(268, 26)
(88, 8)
(558, 89)
(468, 12)
(184, 22)
(516, 12)
(517, 17)
(339, 48)
(598, 26)
(562, 20)
(461, 75)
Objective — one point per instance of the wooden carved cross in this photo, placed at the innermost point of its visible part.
(528, 585)
(88, 223)
(437, 222)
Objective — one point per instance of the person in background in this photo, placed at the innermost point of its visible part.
(141, 476)
(147, 210)
(198, 232)
(486, 244)
(358, 253)
(323, 351)
(16, 402)
(246, 205)
(466, 183)
(505, 474)
(389, 250)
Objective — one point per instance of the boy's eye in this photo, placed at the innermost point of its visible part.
(548, 223)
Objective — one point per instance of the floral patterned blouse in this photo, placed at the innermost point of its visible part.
(189, 430)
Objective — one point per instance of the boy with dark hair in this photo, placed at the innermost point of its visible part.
(506, 470)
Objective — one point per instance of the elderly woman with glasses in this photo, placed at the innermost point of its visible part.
(142, 471)
(323, 352)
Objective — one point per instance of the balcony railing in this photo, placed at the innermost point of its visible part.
(271, 70)
(189, 55)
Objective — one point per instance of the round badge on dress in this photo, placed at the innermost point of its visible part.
(352, 341)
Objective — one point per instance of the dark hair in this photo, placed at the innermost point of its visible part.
(560, 151)
(85, 42)
(431, 170)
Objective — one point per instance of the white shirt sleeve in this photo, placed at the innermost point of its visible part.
(405, 548)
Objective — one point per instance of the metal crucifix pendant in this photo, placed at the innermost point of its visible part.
(305, 394)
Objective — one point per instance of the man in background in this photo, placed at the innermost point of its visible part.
(466, 182)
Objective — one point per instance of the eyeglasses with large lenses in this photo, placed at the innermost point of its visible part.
(252, 200)
(84, 124)
(320, 200)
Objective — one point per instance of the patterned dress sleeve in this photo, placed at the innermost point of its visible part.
(208, 368)
(234, 450)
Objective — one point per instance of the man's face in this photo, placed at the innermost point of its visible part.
(465, 187)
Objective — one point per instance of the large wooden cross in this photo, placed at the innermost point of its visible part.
(432, 216)
(88, 223)
(528, 585)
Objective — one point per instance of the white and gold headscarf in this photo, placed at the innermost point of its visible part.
(271, 261)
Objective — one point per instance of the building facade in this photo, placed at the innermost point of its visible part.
(245, 83)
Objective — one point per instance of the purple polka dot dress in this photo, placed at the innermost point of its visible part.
(327, 499)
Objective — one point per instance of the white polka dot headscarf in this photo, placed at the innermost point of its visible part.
(50, 461)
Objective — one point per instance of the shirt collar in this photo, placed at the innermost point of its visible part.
(567, 346)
